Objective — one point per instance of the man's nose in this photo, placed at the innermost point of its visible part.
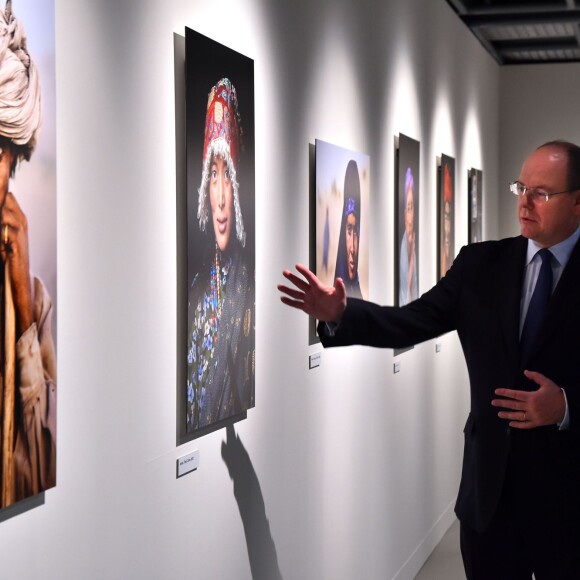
(525, 200)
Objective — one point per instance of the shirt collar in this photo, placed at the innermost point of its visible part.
(560, 251)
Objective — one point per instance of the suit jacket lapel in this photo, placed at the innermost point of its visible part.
(509, 291)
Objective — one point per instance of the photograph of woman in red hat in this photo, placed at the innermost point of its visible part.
(221, 273)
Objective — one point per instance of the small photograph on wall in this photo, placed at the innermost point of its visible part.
(220, 236)
(28, 276)
(342, 217)
(475, 194)
(407, 221)
(446, 213)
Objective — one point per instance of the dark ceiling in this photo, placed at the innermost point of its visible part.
(524, 31)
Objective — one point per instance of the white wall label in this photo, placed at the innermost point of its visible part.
(314, 360)
(187, 463)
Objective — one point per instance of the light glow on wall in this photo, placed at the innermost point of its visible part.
(472, 156)
(442, 128)
(404, 111)
(335, 93)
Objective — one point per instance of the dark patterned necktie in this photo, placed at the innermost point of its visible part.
(538, 304)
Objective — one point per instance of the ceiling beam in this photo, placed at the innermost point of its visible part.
(517, 61)
(536, 45)
(459, 6)
(487, 44)
(574, 4)
(512, 18)
(482, 16)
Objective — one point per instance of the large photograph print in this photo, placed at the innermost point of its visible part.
(27, 250)
(475, 194)
(220, 235)
(342, 217)
(446, 211)
(407, 230)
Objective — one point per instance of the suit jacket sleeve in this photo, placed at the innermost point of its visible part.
(433, 314)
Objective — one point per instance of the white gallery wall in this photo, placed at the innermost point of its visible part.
(537, 104)
(345, 471)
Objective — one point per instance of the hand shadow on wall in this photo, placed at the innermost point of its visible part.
(261, 548)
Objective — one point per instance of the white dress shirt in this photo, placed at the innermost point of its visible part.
(560, 255)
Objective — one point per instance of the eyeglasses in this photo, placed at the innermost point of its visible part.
(534, 193)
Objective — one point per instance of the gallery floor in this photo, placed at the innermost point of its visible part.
(445, 561)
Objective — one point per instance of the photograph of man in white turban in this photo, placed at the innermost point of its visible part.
(27, 352)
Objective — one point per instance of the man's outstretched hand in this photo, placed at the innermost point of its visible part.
(309, 294)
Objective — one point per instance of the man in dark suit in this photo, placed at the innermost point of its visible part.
(519, 497)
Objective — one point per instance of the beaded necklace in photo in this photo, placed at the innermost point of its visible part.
(218, 277)
(215, 289)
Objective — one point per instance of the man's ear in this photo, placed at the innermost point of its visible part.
(576, 208)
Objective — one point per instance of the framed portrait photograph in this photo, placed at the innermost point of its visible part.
(28, 290)
(342, 217)
(220, 167)
(407, 220)
(474, 205)
(446, 215)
